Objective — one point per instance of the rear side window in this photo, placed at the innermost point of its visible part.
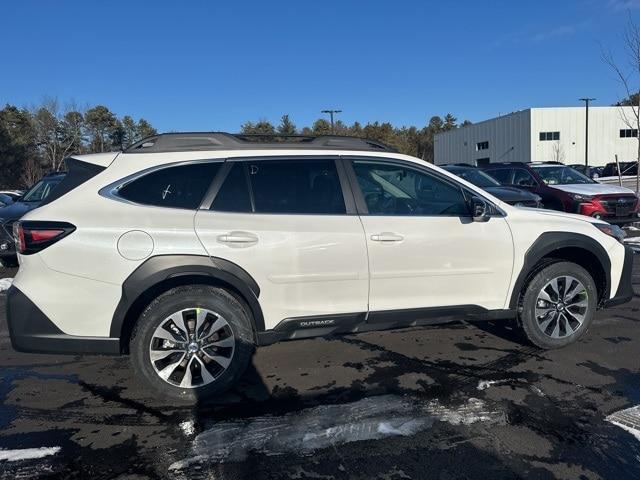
(503, 175)
(233, 195)
(296, 186)
(181, 186)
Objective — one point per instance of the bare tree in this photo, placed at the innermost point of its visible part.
(629, 77)
(558, 152)
(58, 133)
(31, 171)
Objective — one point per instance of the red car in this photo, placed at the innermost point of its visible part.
(565, 189)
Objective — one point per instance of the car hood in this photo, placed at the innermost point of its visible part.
(512, 194)
(555, 213)
(593, 189)
(16, 210)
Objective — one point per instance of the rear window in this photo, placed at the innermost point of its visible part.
(180, 186)
(78, 172)
(41, 190)
(296, 186)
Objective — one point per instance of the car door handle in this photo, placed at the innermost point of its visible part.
(387, 237)
(238, 237)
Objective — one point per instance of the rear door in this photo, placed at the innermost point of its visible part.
(424, 248)
(289, 223)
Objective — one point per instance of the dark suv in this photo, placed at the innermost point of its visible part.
(10, 213)
(565, 189)
(518, 197)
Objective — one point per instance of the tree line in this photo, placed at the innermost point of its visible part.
(409, 140)
(34, 141)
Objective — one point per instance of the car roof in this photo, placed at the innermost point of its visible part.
(207, 141)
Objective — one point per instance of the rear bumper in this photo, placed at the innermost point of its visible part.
(625, 291)
(31, 331)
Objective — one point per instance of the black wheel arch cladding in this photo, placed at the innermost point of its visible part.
(162, 272)
(559, 243)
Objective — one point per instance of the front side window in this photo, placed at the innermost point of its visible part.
(180, 186)
(306, 186)
(391, 189)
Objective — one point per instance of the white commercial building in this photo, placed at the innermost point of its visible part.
(542, 134)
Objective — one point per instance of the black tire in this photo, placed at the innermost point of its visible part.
(541, 329)
(192, 297)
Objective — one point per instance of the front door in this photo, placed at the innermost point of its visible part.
(424, 248)
(288, 224)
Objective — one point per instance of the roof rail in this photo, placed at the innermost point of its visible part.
(194, 141)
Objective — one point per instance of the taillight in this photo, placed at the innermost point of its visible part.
(34, 236)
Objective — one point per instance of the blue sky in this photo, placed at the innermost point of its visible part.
(204, 65)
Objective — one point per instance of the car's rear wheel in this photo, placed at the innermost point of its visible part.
(192, 342)
(558, 305)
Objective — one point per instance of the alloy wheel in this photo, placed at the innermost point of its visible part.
(192, 348)
(561, 307)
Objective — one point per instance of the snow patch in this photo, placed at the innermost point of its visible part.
(5, 283)
(484, 384)
(326, 426)
(628, 420)
(633, 431)
(188, 428)
(27, 453)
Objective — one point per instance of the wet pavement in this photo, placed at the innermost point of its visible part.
(456, 401)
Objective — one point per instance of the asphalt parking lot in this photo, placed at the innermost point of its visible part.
(458, 401)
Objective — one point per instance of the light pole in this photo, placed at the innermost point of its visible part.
(331, 113)
(586, 130)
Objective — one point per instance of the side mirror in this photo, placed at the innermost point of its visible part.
(479, 210)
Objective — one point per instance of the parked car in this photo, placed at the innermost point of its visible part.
(518, 197)
(186, 251)
(627, 169)
(5, 200)
(592, 172)
(565, 189)
(13, 194)
(13, 211)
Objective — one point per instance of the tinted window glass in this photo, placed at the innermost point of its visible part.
(296, 186)
(503, 175)
(78, 172)
(41, 190)
(523, 178)
(390, 189)
(182, 186)
(561, 175)
(233, 196)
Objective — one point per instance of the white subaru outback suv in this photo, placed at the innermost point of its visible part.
(188, 250)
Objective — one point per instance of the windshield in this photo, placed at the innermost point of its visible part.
(478, 178)
(560, 175)
(40, 190)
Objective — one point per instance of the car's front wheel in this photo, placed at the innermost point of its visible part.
(558, 305)
(192, 342)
